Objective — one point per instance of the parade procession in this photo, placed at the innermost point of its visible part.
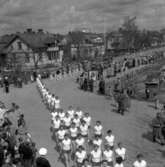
(82, 83)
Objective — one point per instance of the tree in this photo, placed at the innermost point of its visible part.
(77, 38)
(129, 31)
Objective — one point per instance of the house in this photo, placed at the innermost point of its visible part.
(114, 41)
(85, 45)
(30, 49)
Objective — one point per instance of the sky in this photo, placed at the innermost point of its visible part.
(61, 16)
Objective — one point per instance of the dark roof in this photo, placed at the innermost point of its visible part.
(34, 40)
(81, 37)
(5, 40)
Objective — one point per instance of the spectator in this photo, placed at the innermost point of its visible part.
(140, 162)
(119, 162)
(6, 83)
(26, 154)
(42, 162)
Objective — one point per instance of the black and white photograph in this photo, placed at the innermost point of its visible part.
(82, 83)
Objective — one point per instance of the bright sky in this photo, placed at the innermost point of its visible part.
(63, 15)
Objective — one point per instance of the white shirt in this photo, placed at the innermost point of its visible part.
(71, 113)
(80, 142)
(81, 156)
(96, 156)
(143, 163)
(53, 101)
(108, 155)
(98, 129)
(110, 140)
(49, 98)
(73, 132)
(66, 144)
(117, 165)
(98, 142)
(121, 152)
(57, 103)
(67, 121)
(61, 115)
(84, 129)
(87, 120)
(54, 114)
(79, 113)
(56, 123)
(61, 134)
(76, 121)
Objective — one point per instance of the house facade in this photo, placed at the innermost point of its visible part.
(31, 50)
(86, 45)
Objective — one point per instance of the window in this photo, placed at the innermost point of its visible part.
(19, 45)
(49, 56)
(40, 57)
(11, 47)
(52, 55)
(27, 58)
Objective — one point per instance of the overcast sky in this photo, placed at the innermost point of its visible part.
(64, 15)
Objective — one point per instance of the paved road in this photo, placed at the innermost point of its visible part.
(132, 129)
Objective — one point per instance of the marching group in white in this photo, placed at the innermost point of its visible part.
(78, 141)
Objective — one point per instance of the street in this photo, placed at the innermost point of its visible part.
(132, 129)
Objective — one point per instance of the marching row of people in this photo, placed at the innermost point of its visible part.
(78, 141)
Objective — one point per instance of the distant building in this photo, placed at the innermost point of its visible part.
(32, 49)
(86, 45)
(114, 41)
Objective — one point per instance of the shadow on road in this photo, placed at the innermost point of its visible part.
(151, 106)
(162, 152)
(148, 136)
(114, 105)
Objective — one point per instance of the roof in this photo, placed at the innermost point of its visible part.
(35, 40)
(81, 37)
(5, 40)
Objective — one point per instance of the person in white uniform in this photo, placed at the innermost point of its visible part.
(121, 151)
(87, 119)
(98, 141)
(80, 156)
(67, 120)
(61, 114)
(60, 134)
(49, 101)
(71, 111)
(76, 120)
(56, 126)
(84, 129)
(57, 102)
(108, 155)
(66, 150)
(80, 141)
(53, 102)
(110, 139)
(96, 156)
(73, 131)
(79, 112)
(140, 162)
(98, 129)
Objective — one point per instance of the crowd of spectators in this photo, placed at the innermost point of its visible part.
(17, 149)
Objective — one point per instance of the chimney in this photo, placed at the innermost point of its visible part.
(40, 31)
(29, 30)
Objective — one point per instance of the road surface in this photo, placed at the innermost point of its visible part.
(132, 129)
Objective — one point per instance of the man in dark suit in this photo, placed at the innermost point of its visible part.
(6, 83)
(158, 126)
